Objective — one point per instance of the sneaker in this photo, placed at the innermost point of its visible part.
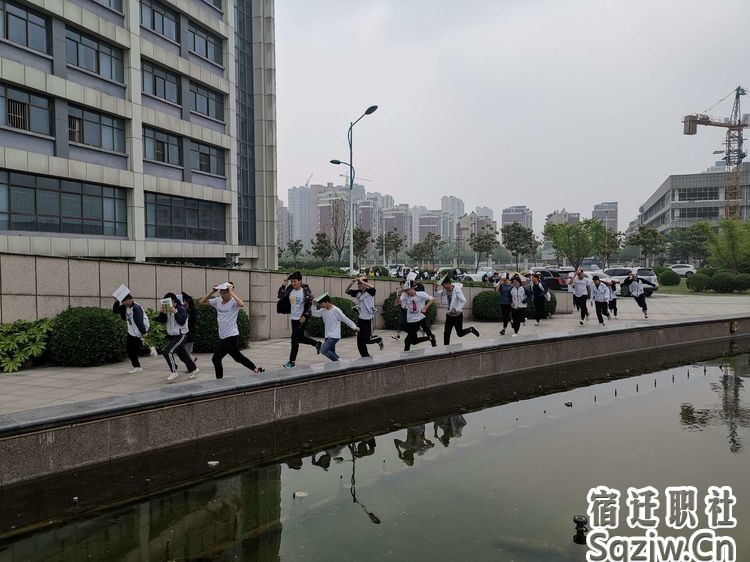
(152, 351)
(318, 345)
(432, 340)
(194, 373)
(514, 334)
(502, 332)
(537, 323)
(601, 323)
(172, 376)
(380, 345)
(580, 322)
(645, 314)
(135, 370)
(474, 331)
(396, 337)
(289, 365)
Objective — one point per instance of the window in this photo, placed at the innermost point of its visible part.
(45, 204)
(205, 44)
(184, 219)
(161, 147)
(24, 110)
(206, 158)
(24, 26)
(96, 129)
(160, 83)
(114, 4)
(206, 101)
(215, 3)
(697, 194)
(94, 55)
(696, 213)
(159, 19)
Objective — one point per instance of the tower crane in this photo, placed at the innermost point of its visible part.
(307, 183)
(734, 154)
(358, 178)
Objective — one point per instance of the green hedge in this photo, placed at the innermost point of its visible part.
(668, 278)
(723, 282)
(206, 337)
(700, 282)
(22, 342)
(317, 328)
(157, 334)
(391, 310)
(659, 269)
(486, 306)
(707, 271)
(742, 282)
(86, 337)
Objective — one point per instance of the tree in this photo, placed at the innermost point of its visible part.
(649, 240)
(393, 243)
(689, 244)
(573, 242)
(419, 252)
(606, 242)
(339, 227)
(729, 247)
(294, 247)
(322, 247)
(432, 245)
(518, 240)
(484, 242)
(361, 242)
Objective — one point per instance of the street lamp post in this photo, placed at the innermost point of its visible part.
(369, 111)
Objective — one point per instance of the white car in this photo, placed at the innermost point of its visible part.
(683, 269)
(619, 274)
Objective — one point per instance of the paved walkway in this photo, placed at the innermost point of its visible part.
(52, 386)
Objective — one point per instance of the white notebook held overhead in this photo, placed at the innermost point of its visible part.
(121, 292)
(222, 286)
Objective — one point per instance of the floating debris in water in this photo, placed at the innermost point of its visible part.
(569, 404)
(299, 494)
(213, 464)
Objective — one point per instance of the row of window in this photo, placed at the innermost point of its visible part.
(23, 110)
(695, 194)
(162, 83)
(696, 213)
(164, 147)
(44, 204)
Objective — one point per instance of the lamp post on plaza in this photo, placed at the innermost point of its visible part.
(369, 111)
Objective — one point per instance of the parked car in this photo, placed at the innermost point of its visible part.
(558, 278)
(619, 274)
(683, 269)
(393, 268)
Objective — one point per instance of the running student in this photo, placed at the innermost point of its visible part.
(175, 317)
(417, 304)
(600, 295)
(401, 312)
(365, 295)
(455, 316)
(138, 326)
(635, 284)
(189, 303)
(332, 318)
(581, 293)
(519, 297)
(296, 300)
(613, 297)
(540, 294)
(228, 306)
(504, 288)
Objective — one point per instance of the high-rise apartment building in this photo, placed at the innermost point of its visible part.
(607, 213)
(485, 212)
(452, 205)
(138, 129)
(563, 217)
(429, 223)
(283, 225)
(519, 214)
(299, 209)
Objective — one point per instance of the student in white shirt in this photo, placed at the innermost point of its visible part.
(365, 295)
(228, 306)
(581, 293)
(455, 316)
(296, 301)
(600, 295)
(332, 318)
(519, 297)
(417, 304)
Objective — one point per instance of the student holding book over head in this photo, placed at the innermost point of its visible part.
(138, 324)
(175, 316)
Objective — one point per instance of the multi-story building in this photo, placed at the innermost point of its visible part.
(687, 198)
(473, 224)
(138, 129)
(452, 205)
(429, 222)
(416, 212)
(397, 218)
(299, 209)
(607, 213)
(283, 225)
(519, 214)
(563, 217)
(485, 212)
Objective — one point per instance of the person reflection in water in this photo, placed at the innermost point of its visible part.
(416, 444)
(326, 456)
(451, 427)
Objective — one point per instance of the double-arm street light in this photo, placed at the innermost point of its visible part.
(370, 110)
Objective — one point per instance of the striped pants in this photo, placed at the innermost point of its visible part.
(176, 346)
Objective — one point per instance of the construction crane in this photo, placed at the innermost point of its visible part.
(357, 178)
(733, 155)
(307, 183)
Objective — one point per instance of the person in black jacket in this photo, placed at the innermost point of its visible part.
(192, 313)
(539, 292)
(635, 285)
(138, 326)
(296, 300)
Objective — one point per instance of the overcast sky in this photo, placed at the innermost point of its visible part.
(543, 103)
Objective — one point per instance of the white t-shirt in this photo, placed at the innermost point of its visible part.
(332, 319)
(414, 305)
(581, 286)
(226, 316)
(297, 300)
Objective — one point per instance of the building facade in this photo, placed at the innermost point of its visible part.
(485, 212)
(519, 214)
(138, 129)
(283, 225)
(607, 213)
(452, 205)
(563, 217)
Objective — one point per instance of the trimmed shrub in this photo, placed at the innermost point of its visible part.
(708, 271)
(206, 337)
(700, 282)
(742, 282)
(659, 269)
(157, 334)
(486, 306)
(391, 309)
(669, 278)
(347, 306)
(723, 282)
(22, 342)
(87, 336)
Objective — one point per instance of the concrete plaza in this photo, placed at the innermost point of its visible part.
(52, 386)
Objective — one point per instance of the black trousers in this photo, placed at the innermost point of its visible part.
(580, 302)
(365, 337)
(456, 322)
(411, 333)
(601, 311)
(517, 317)
(298, 337)
(613, 306)
(132, 347)
(641, 300)
(506, 310)
(540, 309)
(401, 319)
(176, 346)
(229, 346)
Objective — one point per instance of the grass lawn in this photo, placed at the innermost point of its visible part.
(682, 289)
